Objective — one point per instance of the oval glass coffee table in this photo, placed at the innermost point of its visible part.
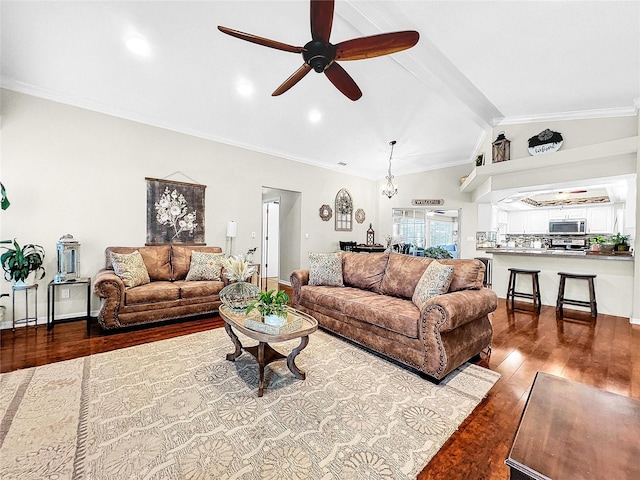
(263, 352)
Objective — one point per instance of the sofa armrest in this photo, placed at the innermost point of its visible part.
(110, 287)
(454, 309)
(298, 279)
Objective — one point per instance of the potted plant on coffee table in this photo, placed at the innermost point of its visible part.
(18, 262)
(272, 306)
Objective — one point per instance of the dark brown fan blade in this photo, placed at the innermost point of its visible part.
(376, 45)
(292, 80)
(343, 82)
(260, 40)
(321, 19)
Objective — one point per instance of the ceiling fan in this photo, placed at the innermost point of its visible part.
(321, 55)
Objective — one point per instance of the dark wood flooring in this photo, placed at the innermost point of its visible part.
(605, 355)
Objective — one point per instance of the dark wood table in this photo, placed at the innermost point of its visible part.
(369, 248)
(263, 352)
(572, 431)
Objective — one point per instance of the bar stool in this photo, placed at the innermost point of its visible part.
(487, 271)
(581, 303)
(535, 287)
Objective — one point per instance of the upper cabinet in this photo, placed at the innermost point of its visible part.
(600, 219)
(528, 221)
(567, 213)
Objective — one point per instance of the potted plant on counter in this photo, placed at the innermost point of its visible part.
(18, 262)
(621, 242)
(272, 306)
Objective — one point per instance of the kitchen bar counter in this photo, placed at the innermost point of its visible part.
(549, 252)
(614, 281)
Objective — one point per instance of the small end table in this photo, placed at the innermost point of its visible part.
(26, 289)
(51, 301)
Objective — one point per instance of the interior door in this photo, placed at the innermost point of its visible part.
(270, 241)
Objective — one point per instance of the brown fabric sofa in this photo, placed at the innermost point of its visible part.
(168, 296)
(375, 309)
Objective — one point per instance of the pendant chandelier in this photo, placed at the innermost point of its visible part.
(390, 190)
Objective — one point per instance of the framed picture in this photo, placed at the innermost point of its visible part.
(175, 212)
(480, 160)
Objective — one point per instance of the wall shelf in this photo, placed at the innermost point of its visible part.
(480, 175)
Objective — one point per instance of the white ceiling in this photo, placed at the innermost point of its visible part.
(476, 63)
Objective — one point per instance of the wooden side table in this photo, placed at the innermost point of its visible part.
(572, 431)
(26, 289)
(51, 301)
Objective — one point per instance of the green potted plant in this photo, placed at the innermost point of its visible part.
(621, 242)
(272, 306)
(437, 252)
(18, 262)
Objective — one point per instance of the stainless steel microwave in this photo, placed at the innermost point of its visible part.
(576, 226)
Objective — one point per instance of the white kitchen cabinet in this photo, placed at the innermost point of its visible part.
(600, 219)
(516, 222)
(528, 221)
(537, 221)
(567, 213)
(487, 217)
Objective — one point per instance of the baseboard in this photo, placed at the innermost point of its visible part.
(7, 322)
(634, 321)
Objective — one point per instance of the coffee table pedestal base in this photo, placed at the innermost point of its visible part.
(265, 355)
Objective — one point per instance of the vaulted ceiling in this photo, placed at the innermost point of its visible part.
(477, 63)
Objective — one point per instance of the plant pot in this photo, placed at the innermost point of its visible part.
(607, 247)
(622, 247)
(274, 320)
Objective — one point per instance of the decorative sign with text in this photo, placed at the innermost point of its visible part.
(427, 201)
(546, 141)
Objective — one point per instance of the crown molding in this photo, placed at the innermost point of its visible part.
(577, 115)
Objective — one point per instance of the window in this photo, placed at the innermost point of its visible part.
(415, 229)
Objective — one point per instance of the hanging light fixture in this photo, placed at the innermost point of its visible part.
(390, 190)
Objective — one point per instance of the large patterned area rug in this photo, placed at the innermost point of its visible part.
(176, 409)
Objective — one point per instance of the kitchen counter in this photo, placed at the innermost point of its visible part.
(548, 252)
(614, 281)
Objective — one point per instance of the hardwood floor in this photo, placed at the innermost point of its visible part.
(605, 355)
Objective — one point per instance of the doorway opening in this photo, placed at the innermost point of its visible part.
(281, 236)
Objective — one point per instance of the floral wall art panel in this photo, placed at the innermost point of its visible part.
(175, 212)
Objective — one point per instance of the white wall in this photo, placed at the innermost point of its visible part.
(70, 170)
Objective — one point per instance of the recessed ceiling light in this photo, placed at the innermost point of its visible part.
(315, 115)
(245, 88)
(138, 45)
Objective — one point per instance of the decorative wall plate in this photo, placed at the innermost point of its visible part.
(360, 215)
(326, 213)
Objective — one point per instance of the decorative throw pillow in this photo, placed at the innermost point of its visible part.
(325, 269)
(434, 281)
(130, 268)
(205, 266)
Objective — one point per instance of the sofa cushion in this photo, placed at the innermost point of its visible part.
(199, 289)
(364, 270)
(130, 268)
(156, 259)
(402, 274)
(181, 259)
(434, 281)
(391, 313)
(467, 274)
(325, 269)
(152, 293)
(205, 266)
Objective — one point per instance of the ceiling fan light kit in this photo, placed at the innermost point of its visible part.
(321, 56)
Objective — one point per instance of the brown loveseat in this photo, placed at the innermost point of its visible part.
(375, 309)
(167, 296)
